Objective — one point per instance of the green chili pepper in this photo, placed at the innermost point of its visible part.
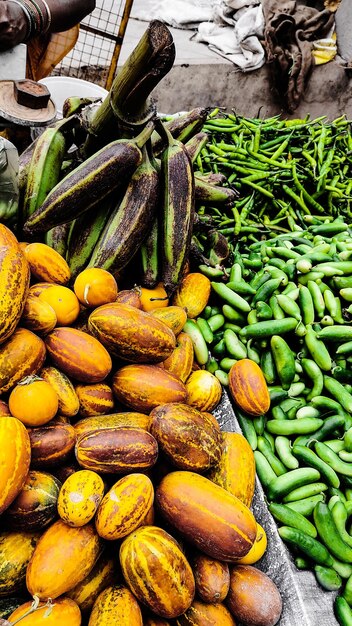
(215, 322)
(199, 343)
(231, 297)
(338, 391)
(289, 427)
(289, 306)
(282, 485)
(205, 329)
(211, 365)
(342, 611)
(248, 430)
(331, 424)
(233, 314)
(278, 313)
(222, 377)
(284, 360)
(283, 449)
(268, 367)
(277, 394)
(235, 348)
(317, 297)
(306, 491)
(252, 352)
(302, 563)
(347, 591)
(265, 291)
(340, 516)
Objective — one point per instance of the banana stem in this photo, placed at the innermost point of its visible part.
(164, 133)
(127, 102)
(145, 134)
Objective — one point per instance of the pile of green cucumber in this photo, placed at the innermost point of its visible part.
(285, 303)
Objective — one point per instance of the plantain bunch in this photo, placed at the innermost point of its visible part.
(117, 193)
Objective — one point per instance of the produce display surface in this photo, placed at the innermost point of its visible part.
(175, 365)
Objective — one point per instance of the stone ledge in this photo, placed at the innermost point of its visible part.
(329, 91)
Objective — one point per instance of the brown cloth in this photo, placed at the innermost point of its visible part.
(289, 31)
(46, 51)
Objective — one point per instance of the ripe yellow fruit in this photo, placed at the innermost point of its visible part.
(64, 302)
(203, 390)
(258, 548)
(33, 401)
(95, 286)
(155, 298)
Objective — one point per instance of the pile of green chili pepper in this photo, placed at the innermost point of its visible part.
(286, 303)
(288, 173)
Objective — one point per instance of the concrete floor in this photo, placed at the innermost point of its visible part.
(187, 51)
(201, 77)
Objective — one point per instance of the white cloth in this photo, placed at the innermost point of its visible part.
(238, 43)
(231, 28)
(239, 4)
(179, 13)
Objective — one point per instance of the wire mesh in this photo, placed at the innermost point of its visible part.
(100, 38)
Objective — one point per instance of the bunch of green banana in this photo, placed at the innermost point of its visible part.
(159, 258)
(130, 222)
(181, 127)
(210, 194)
(177, 211)
(89, 183)
(150, 256)
(126, 198)
(195, 144)
(92, 187)
(44, 166)
(84, 233)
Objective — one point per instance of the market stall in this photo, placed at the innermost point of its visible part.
(175, 349)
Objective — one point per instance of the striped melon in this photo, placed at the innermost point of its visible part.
(62, 558)
(16, 550)
(78, 355)
(104, 573)
(157, 571)
(206, 515)
(95, 399)
(15, 456)
(63, 611)
(248, 387)
(21, 355)
(116, 606)
(14, 282)
(131, 334)
(125, 506)
(235, 470)
(202, 614)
